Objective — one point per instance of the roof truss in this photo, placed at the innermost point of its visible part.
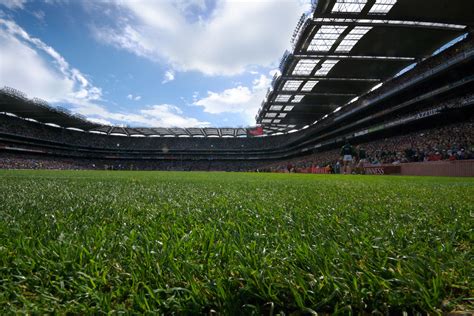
(356, 42)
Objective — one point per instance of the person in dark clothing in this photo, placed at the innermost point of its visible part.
(347, 153)
(361, 158)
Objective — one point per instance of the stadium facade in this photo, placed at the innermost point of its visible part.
(359, 70)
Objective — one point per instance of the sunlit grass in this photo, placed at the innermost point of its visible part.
(234, 243)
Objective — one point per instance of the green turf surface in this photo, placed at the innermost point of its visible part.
(235, 243)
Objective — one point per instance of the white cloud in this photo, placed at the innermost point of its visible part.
(169, 76)
(230, 100)
(42, 72)
(28, 64)
(261, 83)
(186, 5)
(162, 115)
(134, 97)
(31, 75)
(167, 115)
(274, 72)
(236, 36)
(100, 121)
(40, 15)
(241, 99)
(13, 4)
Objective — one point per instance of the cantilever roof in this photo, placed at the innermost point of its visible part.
(15, 102)
(346, 47)
(171, 132)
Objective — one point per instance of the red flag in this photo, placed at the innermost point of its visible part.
(255, 131)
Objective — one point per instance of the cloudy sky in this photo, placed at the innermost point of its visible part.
(164, 63)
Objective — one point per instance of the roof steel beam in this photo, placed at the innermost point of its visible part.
(354, 57)
(321, 78)
(314, 94)
(373, 21)
(340, 38)
(368, 6)
(194, 131)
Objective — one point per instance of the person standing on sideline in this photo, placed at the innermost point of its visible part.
(362, 157)
(346, 153)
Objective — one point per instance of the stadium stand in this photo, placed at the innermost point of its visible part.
(451, 142)
(407, 98)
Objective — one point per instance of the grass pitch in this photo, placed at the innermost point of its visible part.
(233, 243)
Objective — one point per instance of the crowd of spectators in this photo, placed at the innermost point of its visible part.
(16, 161)
(451, 142)
(10, 160)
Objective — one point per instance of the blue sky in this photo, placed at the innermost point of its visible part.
(164, 63)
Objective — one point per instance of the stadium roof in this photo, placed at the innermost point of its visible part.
(15, 102)
(348, 47)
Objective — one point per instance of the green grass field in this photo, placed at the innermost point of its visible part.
(233, 243)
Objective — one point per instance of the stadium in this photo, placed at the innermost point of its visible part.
(284, 223)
